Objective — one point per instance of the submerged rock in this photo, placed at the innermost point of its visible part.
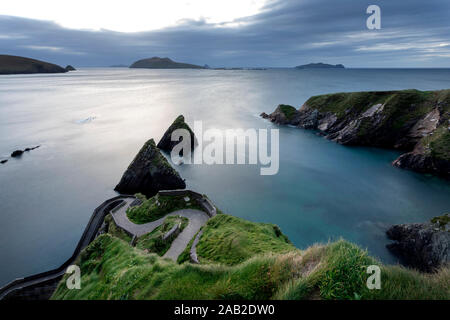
(416, 122)
(424, 246)
(166, 142)
(149, 172)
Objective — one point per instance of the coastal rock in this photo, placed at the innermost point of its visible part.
(166, 142)
(149, 172)
(4, 161)
(21, 65)
(70, 68)
(283, 114)
(424, 246)
(416, 122)
(17, 153)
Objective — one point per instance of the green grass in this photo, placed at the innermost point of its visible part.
(230, 240)
(442, 221)
(339, 273)
(439, 143)
(403, 106)
(152, 242)
(289, 111)
(157, 207)
(111, 269)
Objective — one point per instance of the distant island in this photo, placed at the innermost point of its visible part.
(163, 63)
(320, 65)
(21, 65)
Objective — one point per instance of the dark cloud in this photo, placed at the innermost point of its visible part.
(285, 33)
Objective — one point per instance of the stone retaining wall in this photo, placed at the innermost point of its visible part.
(172, 233)
(193, 252)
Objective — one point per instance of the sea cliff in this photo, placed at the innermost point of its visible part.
(416, 122)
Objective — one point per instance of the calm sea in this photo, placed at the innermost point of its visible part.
(91, 123)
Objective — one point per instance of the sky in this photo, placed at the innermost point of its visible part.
(228, 33)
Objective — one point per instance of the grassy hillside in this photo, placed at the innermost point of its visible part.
(244, 260)
(231, 240)
(111, 269)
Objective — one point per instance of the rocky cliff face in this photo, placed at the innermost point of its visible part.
(21, 65)
(149, 172)
(166, 142)
(424, 246)
(417, 122)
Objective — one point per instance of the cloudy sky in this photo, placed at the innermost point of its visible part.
(254, 33)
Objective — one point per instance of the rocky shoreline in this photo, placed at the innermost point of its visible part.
(416, 122)
(423, 246)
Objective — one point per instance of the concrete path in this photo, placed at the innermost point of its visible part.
(196, 219)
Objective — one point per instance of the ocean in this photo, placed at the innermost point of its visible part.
(91, 123)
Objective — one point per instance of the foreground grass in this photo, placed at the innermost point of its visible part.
(111, 269)
(157, 207)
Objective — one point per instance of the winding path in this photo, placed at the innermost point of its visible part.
(41, 286)
(196, 219)
(46, 281)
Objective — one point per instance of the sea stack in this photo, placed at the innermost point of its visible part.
(149, 172)
(166, 142)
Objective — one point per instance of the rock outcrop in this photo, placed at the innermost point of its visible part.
(70, 68)
(166, 142)
(20, 65)
(416, 122)
(18, 153)
(163, 63)
(424, 246)
(149, 172)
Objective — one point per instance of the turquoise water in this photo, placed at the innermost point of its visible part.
(91, 123)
